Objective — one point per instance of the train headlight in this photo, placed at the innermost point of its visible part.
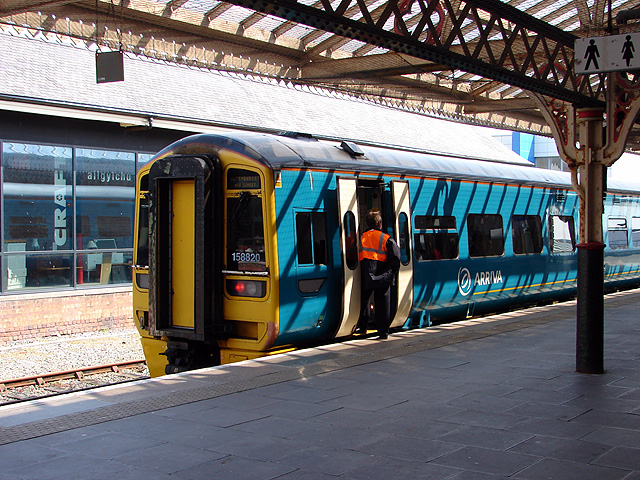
(246, 288)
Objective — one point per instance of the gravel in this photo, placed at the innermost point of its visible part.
(68, 352)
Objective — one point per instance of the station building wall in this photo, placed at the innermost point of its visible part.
(67, 190)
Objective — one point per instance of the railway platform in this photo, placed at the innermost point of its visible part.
(482, 399)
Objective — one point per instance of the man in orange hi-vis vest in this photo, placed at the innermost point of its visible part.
(379, 264)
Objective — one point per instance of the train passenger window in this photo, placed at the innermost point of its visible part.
(635, 231)
(618, 233)
(350, 240)
(311, 236)
(527, 234)
(485, 235)
(562, 234)
(437, 245)
(425, 222)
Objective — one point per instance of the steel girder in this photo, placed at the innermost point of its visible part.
(484, 37)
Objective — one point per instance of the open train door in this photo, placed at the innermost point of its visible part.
(349, 221)
(402, 232)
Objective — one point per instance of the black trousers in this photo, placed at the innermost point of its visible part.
(382, 308)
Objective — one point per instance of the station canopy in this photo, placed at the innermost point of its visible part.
(474, 61)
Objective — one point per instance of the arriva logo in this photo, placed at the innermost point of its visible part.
(464, 281)
(482, 278)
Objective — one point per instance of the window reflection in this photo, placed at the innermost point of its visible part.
(38, 199)
(39, 216)
(104, 198)
(37, 271)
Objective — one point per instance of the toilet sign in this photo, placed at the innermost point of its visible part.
(613, 53)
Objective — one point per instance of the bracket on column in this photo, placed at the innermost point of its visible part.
(623, 104)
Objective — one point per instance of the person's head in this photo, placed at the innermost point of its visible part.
(374, 220)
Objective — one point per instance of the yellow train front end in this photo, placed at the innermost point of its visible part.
(205, 288)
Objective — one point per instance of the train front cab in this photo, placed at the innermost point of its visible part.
(204, 293)
(355, 198)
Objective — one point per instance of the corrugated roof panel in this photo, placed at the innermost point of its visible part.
(236, 14)
(565, 16)
(269, 23)
(300, 31)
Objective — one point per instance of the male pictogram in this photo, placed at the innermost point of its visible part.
(592, 54)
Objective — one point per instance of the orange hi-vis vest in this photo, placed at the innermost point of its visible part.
(374, 245)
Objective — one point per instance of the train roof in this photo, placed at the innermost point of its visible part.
(296, 151)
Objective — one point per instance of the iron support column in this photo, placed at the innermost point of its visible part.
(590, 312)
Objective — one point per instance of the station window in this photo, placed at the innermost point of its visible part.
(635, 231)
(311, 236)
(485, 235)
(527, 234)
(105, 191)
(441, 242)
(67, 216)
(618, 233)
(562, 237)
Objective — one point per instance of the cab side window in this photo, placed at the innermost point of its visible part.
(311, 238)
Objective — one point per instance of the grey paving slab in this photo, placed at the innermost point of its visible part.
(221, 416)
(16, 455)
(615, 436)
(580, 451)
(327, 460)
(553, 469)
(235, 468)
(621, 457)
(545, 410)
(451, 403)
(480, 418)
(424, 428)
(387, 468)
(554, 428)
(486, 460)
(72, 466)
(409, 448)
(261, 447)
(109, 445)
(168, 459)
(486, 437)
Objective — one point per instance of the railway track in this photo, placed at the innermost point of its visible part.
(57, 383)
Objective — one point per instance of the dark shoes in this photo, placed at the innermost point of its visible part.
(360, 331)
(383, 336)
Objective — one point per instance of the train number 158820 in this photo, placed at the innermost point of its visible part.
(247, 257)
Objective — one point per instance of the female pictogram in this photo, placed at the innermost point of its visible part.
(627, 50)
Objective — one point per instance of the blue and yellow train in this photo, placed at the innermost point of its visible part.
(247, 243)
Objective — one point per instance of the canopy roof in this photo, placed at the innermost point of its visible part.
(476, 61)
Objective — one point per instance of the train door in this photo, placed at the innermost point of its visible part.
(402, 235)
(182, 289)
(349, 219)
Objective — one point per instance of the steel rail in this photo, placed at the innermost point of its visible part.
(77, 373)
